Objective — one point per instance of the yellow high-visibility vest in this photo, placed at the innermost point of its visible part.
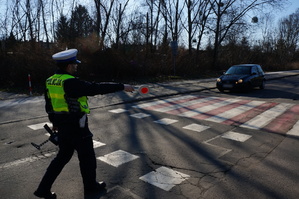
(56, 94)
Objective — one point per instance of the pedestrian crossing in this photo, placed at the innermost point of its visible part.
(251, 114)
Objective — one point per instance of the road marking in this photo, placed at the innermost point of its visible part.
(284, 122)
(166, 121)
(236, 136)
(164, 178)
(202, 110)
(196, 127)
(97, 144)
(117, 158)
(224, 150)
(170, 105)
(140, 115)
(269, 116)
(295, 130)
(119, 110)
(25, 160)
(266, 117)
(39, 126)
(166, 107)
(234, 112)
(249, 114)
(154, 103)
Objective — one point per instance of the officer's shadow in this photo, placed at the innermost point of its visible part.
(95, 195)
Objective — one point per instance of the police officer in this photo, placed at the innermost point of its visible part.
(67, 108)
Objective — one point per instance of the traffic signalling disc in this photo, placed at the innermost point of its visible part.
(142, 90)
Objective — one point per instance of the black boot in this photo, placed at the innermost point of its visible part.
(98, 187)
(46, 195)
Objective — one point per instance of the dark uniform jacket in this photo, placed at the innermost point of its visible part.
(75, 88)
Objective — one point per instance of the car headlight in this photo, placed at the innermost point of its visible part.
(240, 81)
(218, 80)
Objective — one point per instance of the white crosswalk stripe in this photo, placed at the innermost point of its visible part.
(39, 125)
(162, 101)
(266, 117)
(244, 113)
(165, 121)
(118, 158)
(207, 108)
(185, 104)
(196, 127)
(295, 130)
(240, 137)
(234, 112)
(164, 178)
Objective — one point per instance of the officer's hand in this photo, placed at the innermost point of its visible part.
(128, 88)
(55, 129)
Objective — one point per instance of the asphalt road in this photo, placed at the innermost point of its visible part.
(146, 149)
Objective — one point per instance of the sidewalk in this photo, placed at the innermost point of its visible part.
(6, 96)
(156, 90)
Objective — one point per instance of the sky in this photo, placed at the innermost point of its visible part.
(289, 9)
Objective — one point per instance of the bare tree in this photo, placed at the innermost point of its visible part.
(4, 22)
(228, 13)
(29, 20)
(289, 31)
(42, 5)
(268, 33)
(17, 21)
(98, 16)
(172, 11)
(197, 15)
(156, 24)
(287, 40)
(153, 22)
(24, 20)
(149, 23)
(119, 22)
(56, 10)
(103, 8)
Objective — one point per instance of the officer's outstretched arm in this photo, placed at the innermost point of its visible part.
(128, 88)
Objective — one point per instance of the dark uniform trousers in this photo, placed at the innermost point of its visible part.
(71, 137)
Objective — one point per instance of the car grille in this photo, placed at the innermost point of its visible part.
(228, 82)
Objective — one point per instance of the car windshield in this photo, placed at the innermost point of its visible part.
(238, 70)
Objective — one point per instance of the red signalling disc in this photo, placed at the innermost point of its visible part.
(143, 90)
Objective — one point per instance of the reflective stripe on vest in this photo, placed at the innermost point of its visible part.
(56, 93)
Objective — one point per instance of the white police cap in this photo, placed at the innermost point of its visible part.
(66, 56)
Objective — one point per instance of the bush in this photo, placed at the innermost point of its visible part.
(124, 63)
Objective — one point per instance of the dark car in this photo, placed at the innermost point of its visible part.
(242, 78)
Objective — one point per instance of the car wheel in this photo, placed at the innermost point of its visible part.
(262, 86)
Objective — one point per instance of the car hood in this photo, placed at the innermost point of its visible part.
(233, 77)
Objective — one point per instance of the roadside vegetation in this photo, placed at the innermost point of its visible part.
(158, 40)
